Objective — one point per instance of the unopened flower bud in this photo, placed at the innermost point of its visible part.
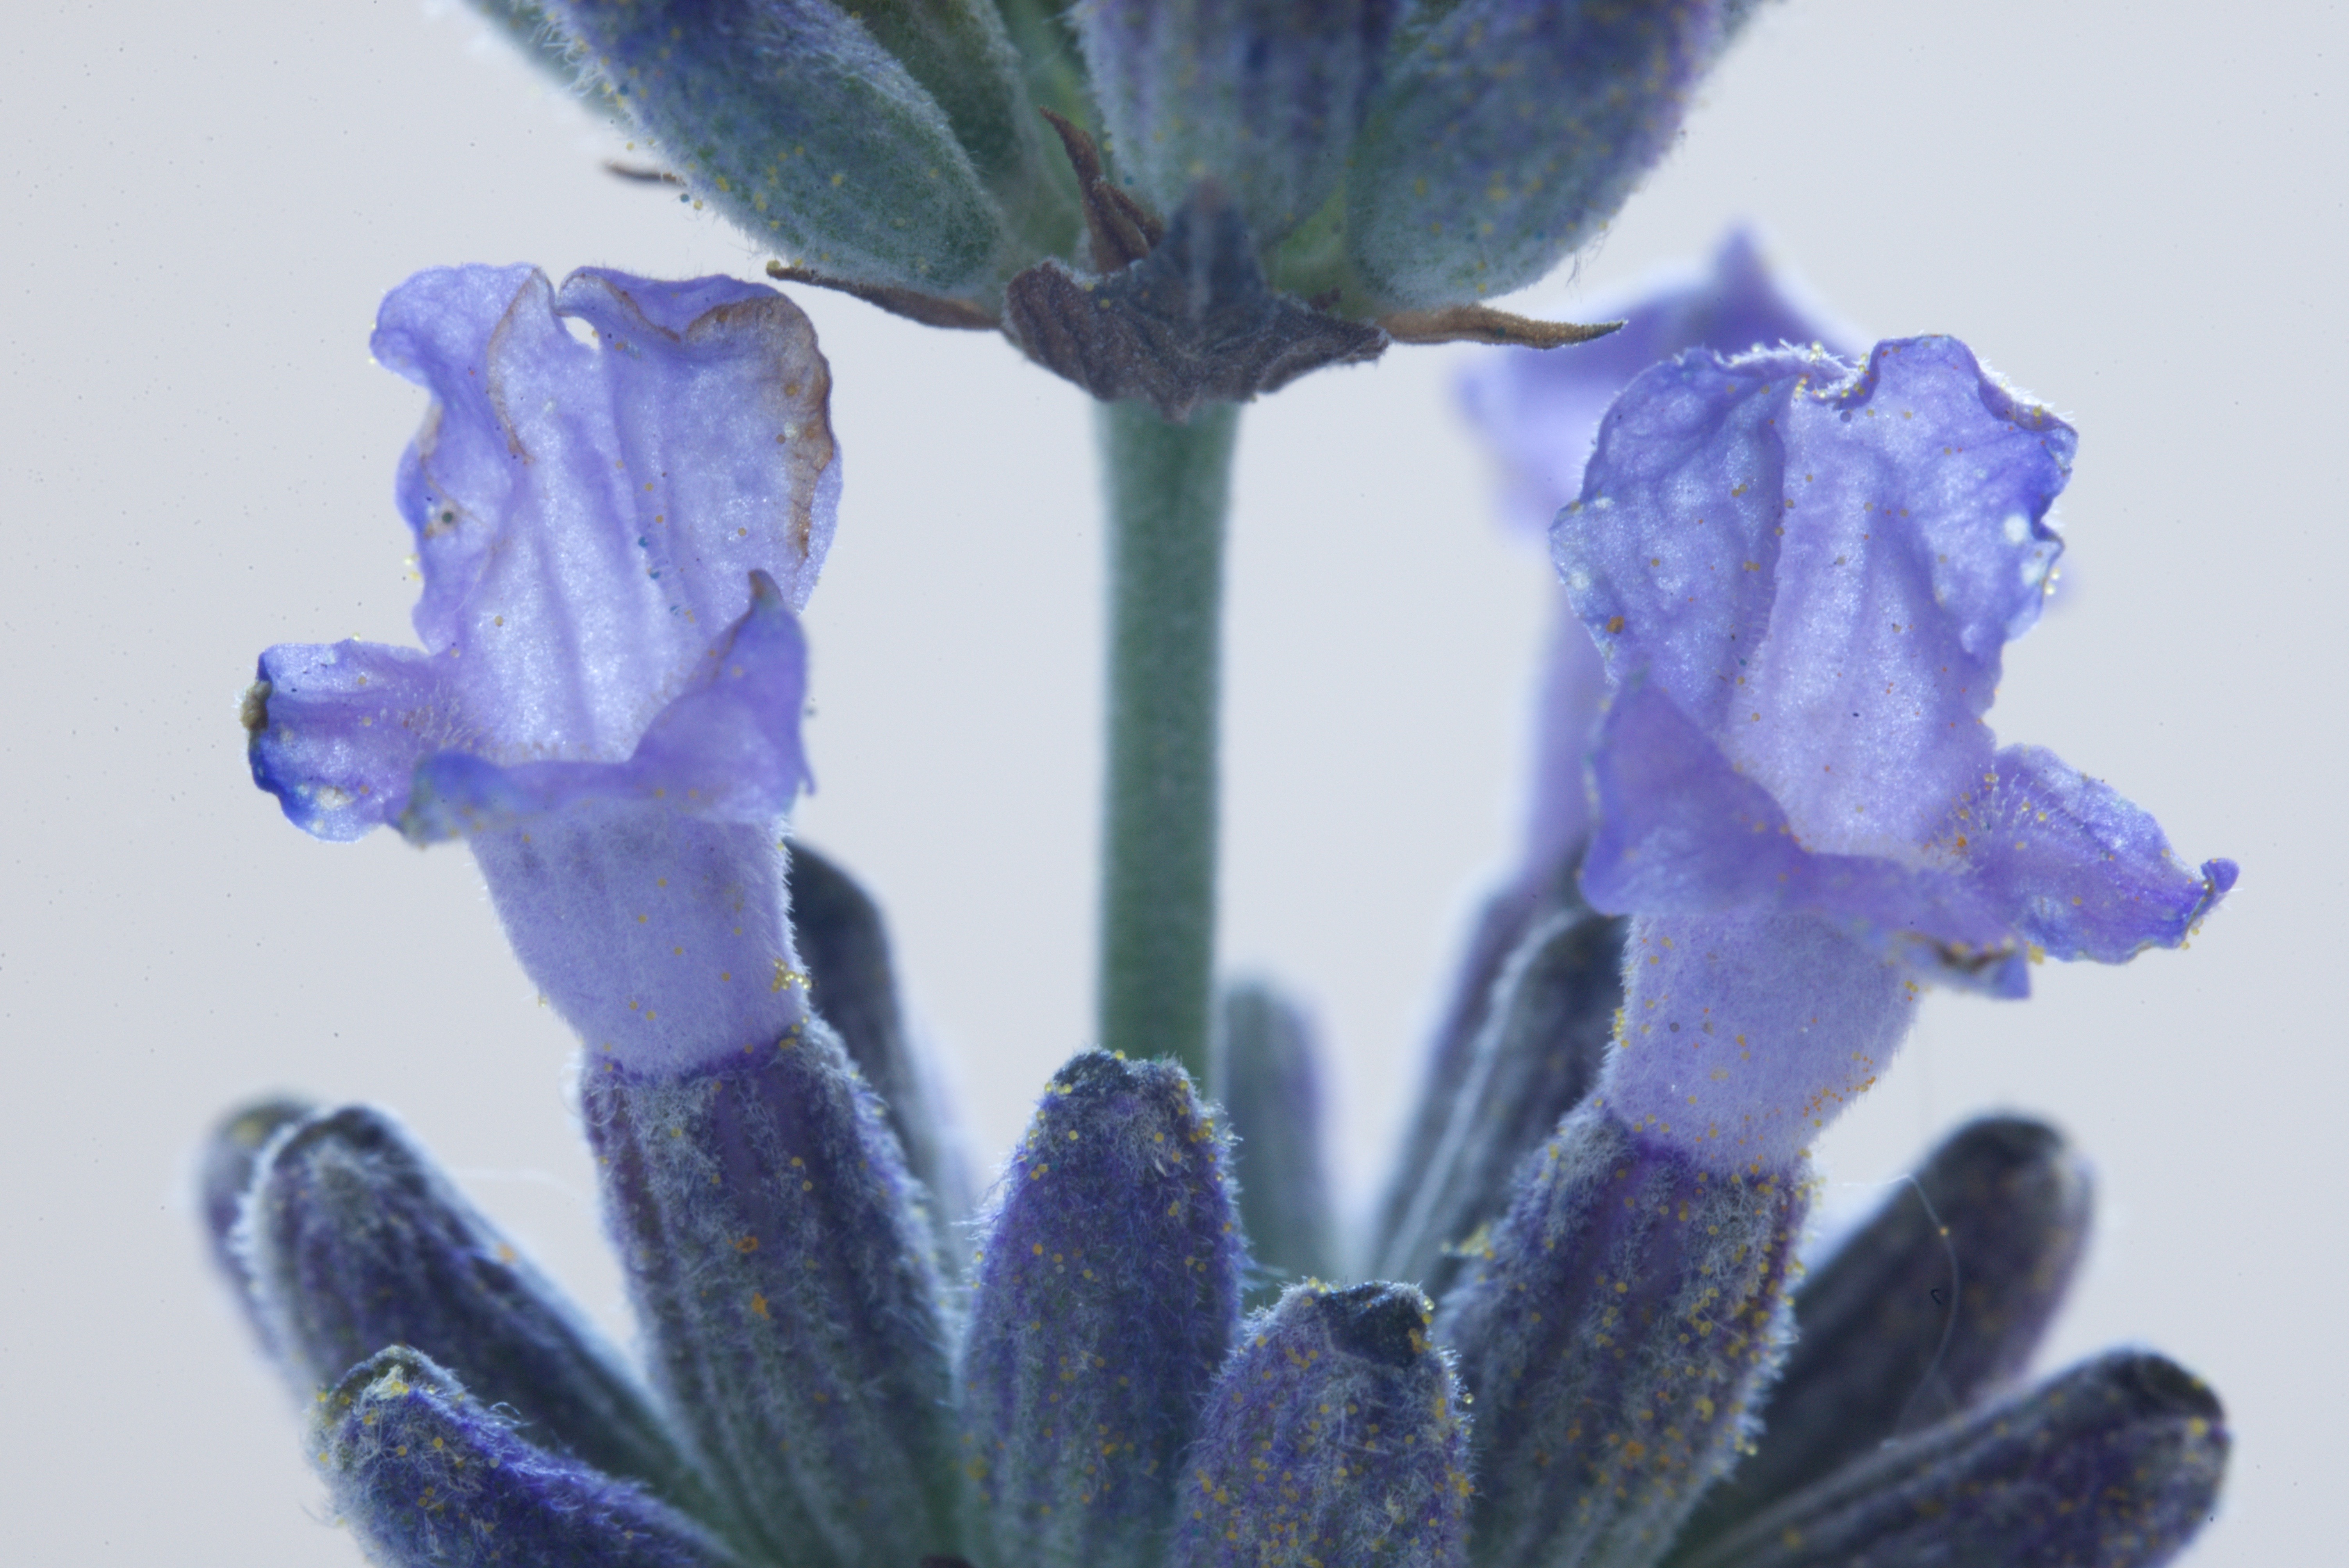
(1105, 1298)
(1934, 1305)
(1507, 131)
(851, 979)
(354, 1240)
(1266, 1071)
(1537, 1055)
(1262, 95)
(1621, 1319)
(785, 1277)
(2116, 1462)
(422, 1471)
(795, 121)
(1334, 1436)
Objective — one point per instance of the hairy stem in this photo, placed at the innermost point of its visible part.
(1168, 488)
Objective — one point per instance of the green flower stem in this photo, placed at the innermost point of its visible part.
(1168, 488)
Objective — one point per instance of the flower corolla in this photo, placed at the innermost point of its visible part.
(1802, 578)
(613, 537)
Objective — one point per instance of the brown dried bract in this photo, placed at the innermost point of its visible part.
(1482, 324)
(1122, 231)
(1193, 321)
(930, 310)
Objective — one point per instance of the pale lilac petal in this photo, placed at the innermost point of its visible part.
(614, 530)
(1682, 832)
(589, 516)
(1823, 575)
(1803, 579)
(660, 938)
(726, 749)
(2082, 872)
(1538, 412)
(336, 730)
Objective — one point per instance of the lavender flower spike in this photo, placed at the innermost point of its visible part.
(1335, 1435)
(1106, 1295)
(613, 539)
(1801, 577)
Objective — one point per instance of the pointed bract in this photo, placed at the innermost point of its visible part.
(1335, 1435)
(784, 1275)
(430, 1475)
(1106, 1295)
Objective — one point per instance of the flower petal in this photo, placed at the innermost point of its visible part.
(1680, 833)
(1824, 579)
(335, 731)
(660, 937)
(2084, 872)
(727, 749)
(586, 516)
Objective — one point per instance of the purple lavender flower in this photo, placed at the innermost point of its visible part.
(1801, 578)
(1540, 413)
(613, 539)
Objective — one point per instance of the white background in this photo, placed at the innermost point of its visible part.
(2134, 211)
